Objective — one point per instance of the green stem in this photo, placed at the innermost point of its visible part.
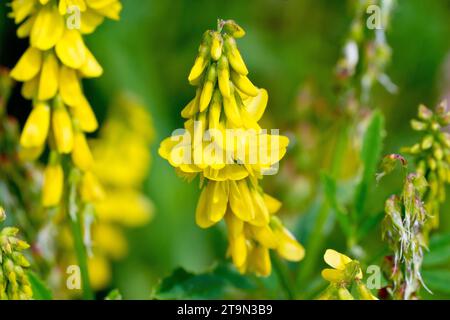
(283, 278)
(80, 249)
(316, 239)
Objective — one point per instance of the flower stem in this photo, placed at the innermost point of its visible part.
(316, 239)
(283, 278)
(80, 249)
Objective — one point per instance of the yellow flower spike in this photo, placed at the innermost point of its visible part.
(244, 84)
(30, 154)
(48, 83)
(216, 46)
(90, 189)
(70, 87)
(344, 294)
(207, 91)
(36, 128)
(71, 49)
(53, 185)
(28, 65)
(365, 293)
(62, 129)
(47, 29)
(109, 9)
(234, 56)
(81, 154)
(223, 71)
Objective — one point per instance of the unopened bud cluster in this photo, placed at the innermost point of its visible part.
(14, 284)
(432, 156)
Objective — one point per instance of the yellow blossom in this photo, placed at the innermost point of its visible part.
(223, 143)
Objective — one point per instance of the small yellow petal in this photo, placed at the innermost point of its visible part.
(333, 275)
(83, 113)
(47, 29)
(28, 66)
(48, 83)
(288, 247)
(36, 128)
(335, 259)
(71, 49)
(70, 87)
(91, 68)
(81, 154)
(53, 185)
(62, 130)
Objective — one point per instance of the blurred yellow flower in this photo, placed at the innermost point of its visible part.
(122, 159)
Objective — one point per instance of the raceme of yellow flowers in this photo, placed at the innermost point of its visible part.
(344, 274)
(223, 143)
(51, 70)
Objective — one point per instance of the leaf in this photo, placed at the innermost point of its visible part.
(114, 295)
(439, 251)
(329, 185)
(182, 284)
(369, 224)
(370, 156)
(437, 280)
(40, 290)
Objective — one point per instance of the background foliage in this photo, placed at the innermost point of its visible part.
(289, 45)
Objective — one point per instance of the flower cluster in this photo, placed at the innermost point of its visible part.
(345, 273)
(51, 70)
(122, 160)
(14, 283)
(231, 152)
(432, 157)
(403, 229)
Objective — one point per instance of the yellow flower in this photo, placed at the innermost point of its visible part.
(53, 185)
(122, 161)
(62, 130)
(36, 128)
(91, 190)
(344, 268)
(344, 274)
(52, 69)
(224, 144)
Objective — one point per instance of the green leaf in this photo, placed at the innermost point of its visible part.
(439, 251)
(114, 295)
(437, 280)
(330, 189)
(40, 290)
(182, 284)
(370, 156)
